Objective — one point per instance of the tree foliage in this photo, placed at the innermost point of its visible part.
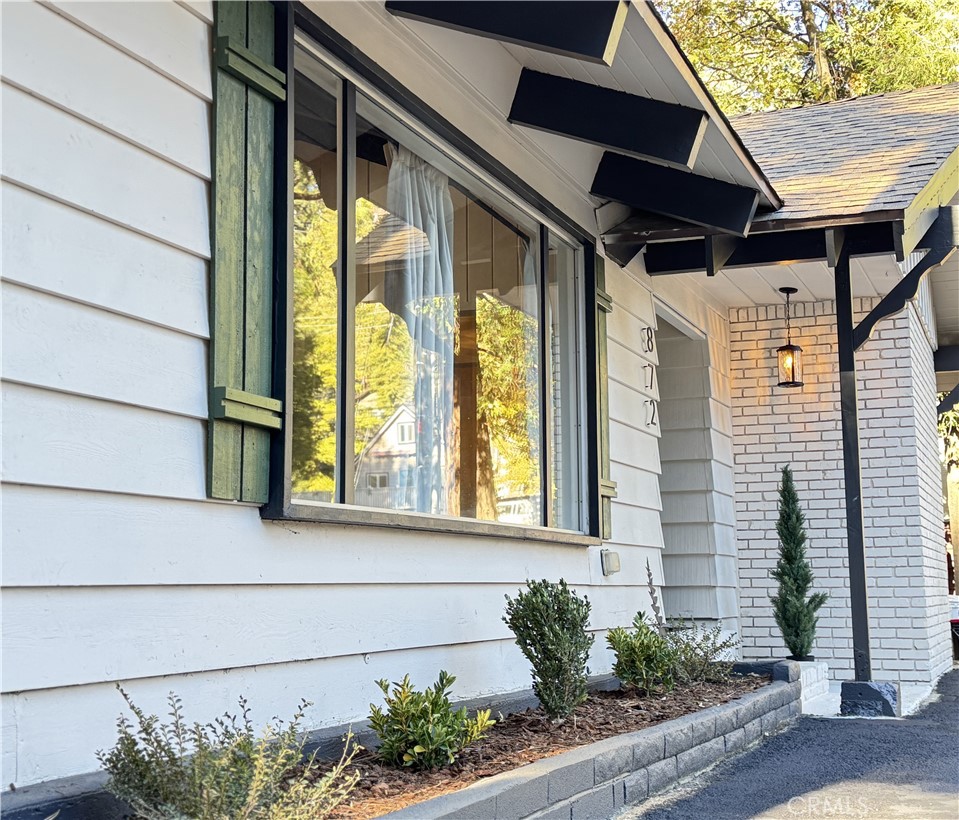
(757, 55)
(795, 612)
(949, 433)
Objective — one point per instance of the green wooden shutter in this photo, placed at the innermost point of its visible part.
(607, 487)
(243, 412)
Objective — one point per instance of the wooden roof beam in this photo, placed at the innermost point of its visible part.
(784, 248)
(633, 125)
(583, 29)
(710, 203)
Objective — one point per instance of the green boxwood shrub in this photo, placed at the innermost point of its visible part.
(421, 730)
(550, 621)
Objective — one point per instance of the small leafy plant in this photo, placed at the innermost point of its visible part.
(644, 659)
(221, 769)
(698, 651)
(550, 621)
(421, 730)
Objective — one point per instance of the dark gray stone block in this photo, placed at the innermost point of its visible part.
(700, 757)
(753, 730)
(613, 762)
(619, 793)
(650, 748)
(571, 779)
(483, 810)
(637, 787)
(662, 775)
(728, 719)
(757, 703)
(763, 668)
(562, 812)
(704, 728)
(870, 699)
(768, 723)
(680, 736)
(476, 802)
(735, 740)
(787, 671)
(523, 799)
(597, 804)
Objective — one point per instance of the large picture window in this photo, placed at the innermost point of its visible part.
(437, 326)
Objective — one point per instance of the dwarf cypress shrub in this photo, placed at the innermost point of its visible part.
(550, 622)
(795, 612)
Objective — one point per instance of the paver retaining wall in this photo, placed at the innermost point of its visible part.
(597, 780)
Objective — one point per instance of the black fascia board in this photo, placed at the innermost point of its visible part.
(779, 248)
(946, 359)
(634, 125)
(583, 29)
(710, 203)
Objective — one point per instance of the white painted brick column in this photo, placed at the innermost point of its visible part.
(774, 427)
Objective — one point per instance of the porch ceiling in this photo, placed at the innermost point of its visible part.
(745, 287)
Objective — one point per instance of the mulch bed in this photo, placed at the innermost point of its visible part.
(527, 736)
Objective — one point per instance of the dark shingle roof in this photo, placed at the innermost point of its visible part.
(854, 156)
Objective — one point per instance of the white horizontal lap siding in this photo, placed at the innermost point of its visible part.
(100, 354)
(634, 459)
(70, 160)
(113, 91)
(53, 247)
(170, 38)
(105, 194)
(58, 637)
(156, 541)
(61, 440)
(62, 728)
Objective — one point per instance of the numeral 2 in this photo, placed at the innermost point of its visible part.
(651, 413)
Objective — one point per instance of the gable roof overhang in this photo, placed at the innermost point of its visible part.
(610, 76)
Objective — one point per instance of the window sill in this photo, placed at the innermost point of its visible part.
(332, 514)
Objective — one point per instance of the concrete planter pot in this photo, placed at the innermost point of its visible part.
(597, 780)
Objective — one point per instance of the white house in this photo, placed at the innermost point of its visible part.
(200, 341)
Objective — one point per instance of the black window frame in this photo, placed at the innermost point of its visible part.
(293, 17)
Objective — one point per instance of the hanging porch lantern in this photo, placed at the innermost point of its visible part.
(790, 355)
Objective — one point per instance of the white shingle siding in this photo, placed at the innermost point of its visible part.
(699, 557)
(901, 485)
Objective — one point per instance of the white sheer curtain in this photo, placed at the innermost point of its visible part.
(419, 289)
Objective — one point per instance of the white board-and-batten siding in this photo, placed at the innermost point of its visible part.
(115, 566)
